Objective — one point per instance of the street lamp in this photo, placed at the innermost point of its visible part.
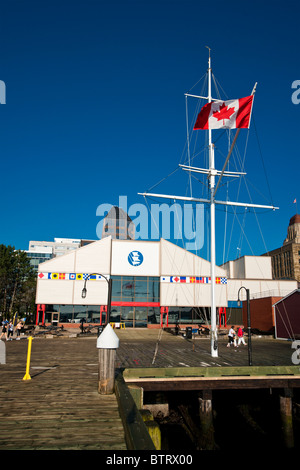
(109, 283)
(248, 322)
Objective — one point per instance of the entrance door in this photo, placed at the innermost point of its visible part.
(140, 317)
(135, 317)
(55, 318)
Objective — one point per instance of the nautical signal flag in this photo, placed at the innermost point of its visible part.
(232, 114)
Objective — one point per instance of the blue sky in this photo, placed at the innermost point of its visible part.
(95, 109)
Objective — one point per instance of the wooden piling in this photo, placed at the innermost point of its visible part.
(206, 420)
(107, 343)
(286, 413)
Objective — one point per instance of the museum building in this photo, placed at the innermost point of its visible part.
(145, 284)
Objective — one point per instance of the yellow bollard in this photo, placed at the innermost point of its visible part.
(27, 376)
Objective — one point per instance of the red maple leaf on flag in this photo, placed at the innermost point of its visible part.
(223, 113)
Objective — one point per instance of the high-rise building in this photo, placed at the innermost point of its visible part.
(40, 251)
(118, 225)
(286, 259)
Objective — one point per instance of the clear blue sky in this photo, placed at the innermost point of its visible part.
(95, 107)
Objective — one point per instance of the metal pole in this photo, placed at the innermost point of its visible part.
(249, 328)
(213, 314)
(248, 322)
(109, 299)
(27, 375)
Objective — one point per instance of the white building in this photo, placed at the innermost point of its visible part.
(148, 277)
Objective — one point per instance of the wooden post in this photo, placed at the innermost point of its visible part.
(106, 375)
(206, 420)
(2, 352)
(107, 343)
(286, 414)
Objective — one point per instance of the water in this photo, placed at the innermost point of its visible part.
(242, 418)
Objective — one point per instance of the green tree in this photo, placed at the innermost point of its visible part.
(17, 281)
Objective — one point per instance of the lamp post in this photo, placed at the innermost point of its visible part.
(248, 322)
(109, 283)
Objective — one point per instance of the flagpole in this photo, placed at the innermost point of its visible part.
(213, 316)
(211, 174)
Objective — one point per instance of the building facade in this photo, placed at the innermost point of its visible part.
(152, 283)
(40, 251)
(118, 225)
(286, 259)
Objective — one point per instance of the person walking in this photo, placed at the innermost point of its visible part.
(4, 329)
(231, 337)
(240, 334)
(10, 331)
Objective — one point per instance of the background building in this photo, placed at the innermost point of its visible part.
(40, 251)
(286, 259)
(118, 225)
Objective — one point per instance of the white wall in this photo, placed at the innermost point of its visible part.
(146, 255)
(92, 258)
(159, 259)
(177, 261)
(259, 288)
(249, 267)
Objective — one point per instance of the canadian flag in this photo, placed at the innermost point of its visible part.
(232, 114)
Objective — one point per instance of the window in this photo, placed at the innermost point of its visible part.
(135, 289)
(80, 313)
(93, 314)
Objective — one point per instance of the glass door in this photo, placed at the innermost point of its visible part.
(140, 317)
(55, 318)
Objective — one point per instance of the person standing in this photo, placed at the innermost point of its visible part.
(231, 337)
(240, 334)
(19, 328)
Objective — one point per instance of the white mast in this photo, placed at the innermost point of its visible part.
(213, 315)
(212, 173)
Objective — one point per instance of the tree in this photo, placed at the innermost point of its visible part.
(17, 281)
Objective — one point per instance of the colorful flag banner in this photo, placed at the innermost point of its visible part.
(192, 279)
(71, 276)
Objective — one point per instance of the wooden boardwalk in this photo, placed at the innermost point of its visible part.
(154, 348)
(60, 408)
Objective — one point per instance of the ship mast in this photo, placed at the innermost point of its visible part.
(212, 173)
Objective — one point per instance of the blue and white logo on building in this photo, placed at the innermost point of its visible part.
(135, 258)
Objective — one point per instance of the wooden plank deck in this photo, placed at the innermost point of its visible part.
(151, 348)
(60, 408)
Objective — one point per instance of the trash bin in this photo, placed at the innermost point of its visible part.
(188, 333)
(100, 329)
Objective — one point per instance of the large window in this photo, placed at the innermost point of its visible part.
(135, 289)
(133, 299)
